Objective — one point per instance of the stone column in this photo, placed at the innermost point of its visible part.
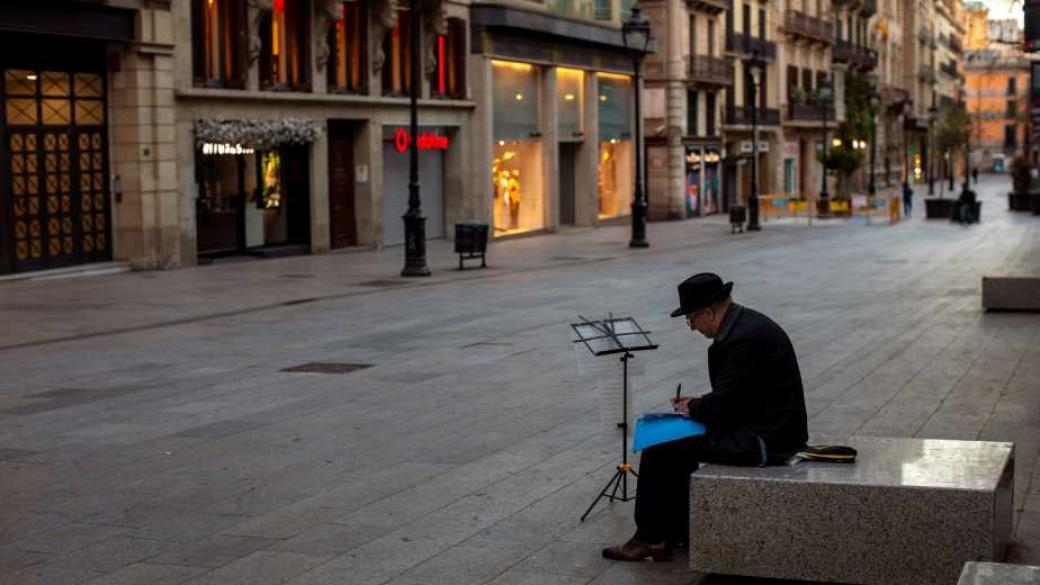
(675, 110)
(586, 167)
(481, 137)
(549, 126)
(319, 195)
(146, 207)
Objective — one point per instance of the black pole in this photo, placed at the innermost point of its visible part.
(640, 204)
(871, 187)
(752, 225)
(414, 222)
(824, 195)
(624, 429)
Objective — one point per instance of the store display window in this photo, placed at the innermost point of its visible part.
(616, 177)
(517, 165)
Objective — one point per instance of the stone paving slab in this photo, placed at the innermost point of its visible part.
(149, 434)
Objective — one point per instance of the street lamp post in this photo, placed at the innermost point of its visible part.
(637, 38)
(933, 113)
(875, 103)
(824, 96)
(414, 222)
(755, 66)
(908, 108)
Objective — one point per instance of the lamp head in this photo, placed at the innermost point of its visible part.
(755, 66)
(635, 32)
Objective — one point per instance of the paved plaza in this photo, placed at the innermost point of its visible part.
(150, 433)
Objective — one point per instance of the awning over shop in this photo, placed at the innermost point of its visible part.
(70, 19)
(254, 133)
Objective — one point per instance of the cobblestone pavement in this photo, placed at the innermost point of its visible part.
(149, 433)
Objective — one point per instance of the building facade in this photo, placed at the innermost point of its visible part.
(997, 89)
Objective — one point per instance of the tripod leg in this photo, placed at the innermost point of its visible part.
(617, 483)
(603, 492)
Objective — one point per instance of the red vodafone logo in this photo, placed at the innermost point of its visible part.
(427, 141)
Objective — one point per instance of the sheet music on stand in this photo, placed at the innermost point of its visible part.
(606, 337)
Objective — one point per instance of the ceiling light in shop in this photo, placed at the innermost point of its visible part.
(602, 98)
(569, 97)
(31, 77)
(519, 97)
(501, 142)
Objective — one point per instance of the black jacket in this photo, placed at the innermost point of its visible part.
(757, 400)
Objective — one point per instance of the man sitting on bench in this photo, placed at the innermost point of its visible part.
(754, 414)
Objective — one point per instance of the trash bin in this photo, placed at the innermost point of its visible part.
(471, 241)
(737, 217)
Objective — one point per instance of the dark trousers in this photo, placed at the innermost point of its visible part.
(663, 491)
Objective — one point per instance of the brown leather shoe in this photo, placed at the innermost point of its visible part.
(637, 550)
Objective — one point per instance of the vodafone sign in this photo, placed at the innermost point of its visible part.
(428, 140)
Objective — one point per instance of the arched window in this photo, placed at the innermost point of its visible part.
(284, 46)
(218, 43)
(348, 39)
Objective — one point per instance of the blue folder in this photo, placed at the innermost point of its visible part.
(663, 427)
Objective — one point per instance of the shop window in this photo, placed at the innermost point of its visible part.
(616, 172)
(348, 39)
(449, 76)
(517, 167)
(397, 46)
(218, 42)
(570, 89)
(284, 44)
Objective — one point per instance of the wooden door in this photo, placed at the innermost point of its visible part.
(342, 221)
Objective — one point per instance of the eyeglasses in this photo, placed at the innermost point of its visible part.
(691, 318)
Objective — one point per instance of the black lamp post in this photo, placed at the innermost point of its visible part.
(414, 222)
(875, 104)
(908, 108)
(637, 38)
(933, 113)
(755, 66)
(824, 96)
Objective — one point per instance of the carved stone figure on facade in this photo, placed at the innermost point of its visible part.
(257, 10)
(327, 13)
(384, 19)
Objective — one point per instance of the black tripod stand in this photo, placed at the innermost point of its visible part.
(606, 337)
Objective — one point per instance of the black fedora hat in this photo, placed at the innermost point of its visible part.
(699, 291)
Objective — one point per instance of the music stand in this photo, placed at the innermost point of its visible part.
(621, 335)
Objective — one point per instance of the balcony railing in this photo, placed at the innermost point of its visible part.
(926, 73)
(741, 116)
(745, 45)
(950, 68)
(800, 23)
(808, 113)
(710, 70)
(955, 44)
(858, 57)
(711, 6)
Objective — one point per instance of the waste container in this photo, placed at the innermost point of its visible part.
(737, 217)
(471, 238)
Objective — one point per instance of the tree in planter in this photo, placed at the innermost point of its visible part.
(952, 131)
(843, 159)
(1020, 174)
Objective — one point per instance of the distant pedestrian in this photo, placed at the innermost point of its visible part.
(964, 209)
(908, 199)
(975, 175)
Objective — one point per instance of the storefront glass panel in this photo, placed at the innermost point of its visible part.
(519, 201)
(616, 168)
(570, 92)
(515, 99)
(516, 168)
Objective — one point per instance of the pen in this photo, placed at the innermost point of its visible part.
(678, 389)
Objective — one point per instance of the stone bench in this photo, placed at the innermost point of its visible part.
(1011, 293)
(909, 511)
(999, 574)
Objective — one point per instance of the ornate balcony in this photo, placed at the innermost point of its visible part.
(950, 68)
(741, 116)
(710, 71)
(798, 23)
(808, 113)
(926, 73)
(710, 6)
(855, 56)
(742, 44)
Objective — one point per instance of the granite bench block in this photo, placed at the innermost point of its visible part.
(909, 511)
(999, 574)
(1011, 293)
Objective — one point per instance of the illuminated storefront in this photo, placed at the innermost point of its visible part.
(702, 181)
(616, 172)
(516, 167)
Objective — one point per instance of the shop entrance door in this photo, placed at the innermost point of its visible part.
(568, 158)
(342, 221)
(54, 206)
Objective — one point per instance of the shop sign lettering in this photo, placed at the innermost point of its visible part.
(210, 149)
(427, 141)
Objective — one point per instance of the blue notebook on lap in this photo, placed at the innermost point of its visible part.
(663, 427)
